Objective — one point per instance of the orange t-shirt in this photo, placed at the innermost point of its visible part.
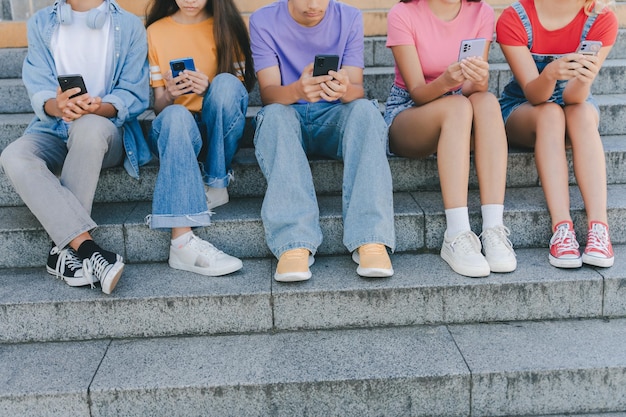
(169, 40)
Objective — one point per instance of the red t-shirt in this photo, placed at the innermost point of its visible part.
(510, 31)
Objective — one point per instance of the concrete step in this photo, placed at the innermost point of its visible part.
(501, 369)
(115, 185)
(377, 82)
(376, 54)
(153, 300)
(237, 228)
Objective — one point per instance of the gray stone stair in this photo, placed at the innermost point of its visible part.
(237, 229)
(498, 369)
(152, 299)
(427, 342)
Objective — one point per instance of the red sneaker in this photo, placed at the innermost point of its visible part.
(564, 247)
(599, 251)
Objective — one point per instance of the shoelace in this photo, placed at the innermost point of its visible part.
(204, 247)
(65, 261)
(564, 239)
(598, 238)
(498, 234)
(96, 264)
(468, 242)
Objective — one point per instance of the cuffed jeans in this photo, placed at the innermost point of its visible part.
(176, 138)
(63, 204)
(355, 133)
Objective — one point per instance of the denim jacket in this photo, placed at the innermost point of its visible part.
(128, 91)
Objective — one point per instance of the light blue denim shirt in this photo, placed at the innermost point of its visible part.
(128, 91)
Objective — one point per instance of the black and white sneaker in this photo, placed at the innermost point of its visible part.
(65, 264)
(98, 268)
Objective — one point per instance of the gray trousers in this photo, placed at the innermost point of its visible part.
(57, 180)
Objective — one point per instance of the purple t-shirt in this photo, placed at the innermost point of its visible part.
(277, 39)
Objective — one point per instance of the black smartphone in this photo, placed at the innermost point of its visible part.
(472, 47)
(325, 63)
(589, 47)
(179, 65)
(70, 81)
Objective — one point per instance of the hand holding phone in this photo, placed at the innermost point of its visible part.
(179, 65)
(69, 81)
(325, 63)
(472, 47)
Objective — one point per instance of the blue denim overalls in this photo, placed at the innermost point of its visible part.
(512, 96)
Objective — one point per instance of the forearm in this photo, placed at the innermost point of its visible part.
(278, 94)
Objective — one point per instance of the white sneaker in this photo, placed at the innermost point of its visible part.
(201, 257)
(463, 255)
(498, 249)
(215, 197)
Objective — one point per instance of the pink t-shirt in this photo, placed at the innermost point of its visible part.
(437, 41)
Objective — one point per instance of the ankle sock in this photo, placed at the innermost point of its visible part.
(182, 240)
(492, 215)
(457, 221)
(89, 247)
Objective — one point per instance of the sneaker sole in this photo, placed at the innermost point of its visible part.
(503, 267)
(565, 263)
(293, 276)
(112, 277)
(71, 281)
(374, 272)
(595, 261)
(371, 272)
(209, 272)
(472, 272)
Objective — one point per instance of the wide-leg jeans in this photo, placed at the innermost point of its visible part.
(176, 138)
(355, 133)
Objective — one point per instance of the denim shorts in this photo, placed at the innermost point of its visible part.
(511, 101)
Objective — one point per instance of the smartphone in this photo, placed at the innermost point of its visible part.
(472, 47)
(179, 65)
(325, 63)
(70, 81)
(589, 47)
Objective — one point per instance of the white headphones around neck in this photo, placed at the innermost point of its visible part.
(95, 18)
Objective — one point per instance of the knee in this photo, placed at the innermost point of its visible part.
(174, 126)
(225, 91)
(8, 159)
(91, 131)
(460, 109)
(271, 120)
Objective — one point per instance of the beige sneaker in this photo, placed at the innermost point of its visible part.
(293, 265)
(373, 261)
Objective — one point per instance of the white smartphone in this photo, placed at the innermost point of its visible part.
(589, 47)
(472, 47)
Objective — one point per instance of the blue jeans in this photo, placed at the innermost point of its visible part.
(355, 133)
(177, 139)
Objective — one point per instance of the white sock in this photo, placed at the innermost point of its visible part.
(457, 221)
(182, 240)
(492, 215)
